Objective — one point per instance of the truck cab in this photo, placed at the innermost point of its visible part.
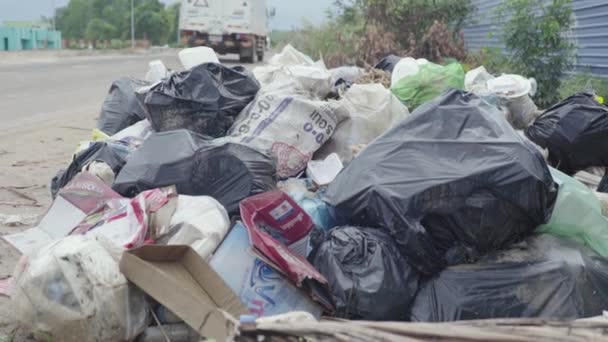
(227, 26)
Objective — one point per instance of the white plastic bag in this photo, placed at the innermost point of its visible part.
(201, 222)
(157, 71)
(476, 81)
(289, 128)
(366, 111)
(73, 290)
(290, 56)
(295, 71)
(405, 67)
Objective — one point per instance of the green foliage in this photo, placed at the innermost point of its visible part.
(111, 19)
(535, 36)
(580, 82)
(172, 14)
(492, 59)
(409, 20)
(98, 29)
(362, 31)
(278, 39)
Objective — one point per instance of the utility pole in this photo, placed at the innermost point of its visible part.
(132, 26)
(54, 11)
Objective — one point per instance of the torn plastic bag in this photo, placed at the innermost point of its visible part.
(387, 63)
(126, 222)
(111, 153)
(73, 290)
(365, 111)
(450, 182)
(121, 108)
(288, 128)
(280, 231)
(430, 81)
(227, 172)
(310, 81)
(204, 99)
(368, 277)
(476, 81)
(575, 131)
(345, 74)
(543, 276)
(295, 72)
(577, 215)
(200, 222)
(85, 194)
(264, 290)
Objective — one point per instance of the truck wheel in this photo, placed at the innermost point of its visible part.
(192, 41)
(247, 56)
(261, 56)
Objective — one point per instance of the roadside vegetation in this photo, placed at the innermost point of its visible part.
(107, 23)
(534, 32)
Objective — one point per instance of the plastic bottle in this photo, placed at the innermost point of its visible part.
(175, 332)
(157, 71)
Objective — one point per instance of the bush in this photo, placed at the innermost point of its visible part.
(438, 43)
(491, 58)
(411, 20)
(363, 31)
(580, 82)
(117, 44)
(535, 36)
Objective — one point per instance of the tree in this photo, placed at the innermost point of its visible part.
(73, 19)
(408, 20)
(535, 34)
(112, 19)
(151, 25)
(98, 29)
(173, 18)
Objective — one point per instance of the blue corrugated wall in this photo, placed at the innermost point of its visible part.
(590, 32)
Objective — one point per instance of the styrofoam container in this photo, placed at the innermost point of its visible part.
(194, 56)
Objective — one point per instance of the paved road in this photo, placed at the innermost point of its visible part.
(32, 93)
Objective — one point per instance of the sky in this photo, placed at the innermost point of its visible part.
(290, 13)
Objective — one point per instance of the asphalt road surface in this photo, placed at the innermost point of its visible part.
(34, 92)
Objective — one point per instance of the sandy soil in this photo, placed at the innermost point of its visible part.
(29, 158)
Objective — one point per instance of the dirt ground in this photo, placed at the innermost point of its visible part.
(28, 160)
(49, 102)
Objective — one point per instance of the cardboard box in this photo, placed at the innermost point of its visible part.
(178, 278)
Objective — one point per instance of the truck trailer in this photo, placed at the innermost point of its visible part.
(227, 26)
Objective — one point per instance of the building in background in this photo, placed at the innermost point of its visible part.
(16, 36)
(590, 32)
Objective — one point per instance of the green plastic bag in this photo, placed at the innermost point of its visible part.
(431, 81)
(577, 215)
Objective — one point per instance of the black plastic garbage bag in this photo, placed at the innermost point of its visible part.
(113, 154)
(603, 186)
(368, 277)
(387, 63)
(575, 131)
(227, 172)
(121, 108)
(543, 276)
(204, 99)
(448, 183)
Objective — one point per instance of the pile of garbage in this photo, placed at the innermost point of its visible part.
(221, 203)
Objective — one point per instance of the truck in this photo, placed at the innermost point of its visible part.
(227, 26)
